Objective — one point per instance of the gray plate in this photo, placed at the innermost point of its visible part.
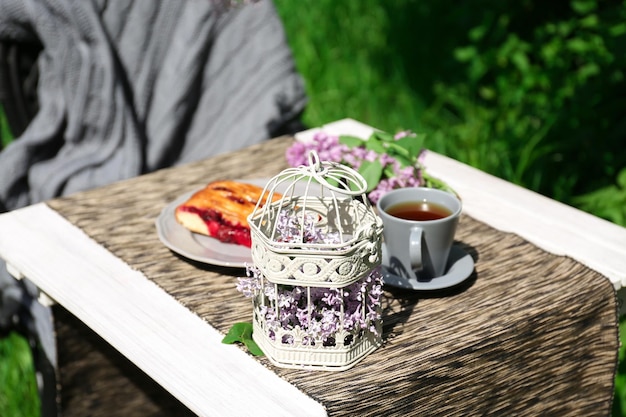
(203, 248)
(196, 246)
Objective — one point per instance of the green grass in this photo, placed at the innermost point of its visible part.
(19, 396)
(18, 385)
(344, 51)
(5, 134)
(619, 402)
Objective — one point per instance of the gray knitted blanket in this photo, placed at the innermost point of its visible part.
(128, 87)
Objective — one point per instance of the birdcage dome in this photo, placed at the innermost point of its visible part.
(321, 230)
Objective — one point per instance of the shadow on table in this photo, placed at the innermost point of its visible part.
(399, 303)
(96, 380)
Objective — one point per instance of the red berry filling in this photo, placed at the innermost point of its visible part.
(221, 229)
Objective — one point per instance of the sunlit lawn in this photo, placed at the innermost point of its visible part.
(18, 386)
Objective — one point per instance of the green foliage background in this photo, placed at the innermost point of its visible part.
(529, 91)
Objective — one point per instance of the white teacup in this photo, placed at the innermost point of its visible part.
(419, 228)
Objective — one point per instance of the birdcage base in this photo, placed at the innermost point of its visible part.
(328, 358)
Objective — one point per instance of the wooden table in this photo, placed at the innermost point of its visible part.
(532, 331)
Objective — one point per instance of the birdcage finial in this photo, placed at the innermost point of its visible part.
(314, 161)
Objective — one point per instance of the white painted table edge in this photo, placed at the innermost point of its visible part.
(178, 349)
(547, 223)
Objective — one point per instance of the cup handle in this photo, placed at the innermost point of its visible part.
(415, 248)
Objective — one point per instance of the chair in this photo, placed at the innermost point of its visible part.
(240, 62)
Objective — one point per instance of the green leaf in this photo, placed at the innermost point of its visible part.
(388, 171)
(376, 146)
(465, 54)
(413, 144)
(237, 333)
(372, 172)
(253, 347)
(351, 141)
(588, 70)
(332, 181)
(584, 6)
(6, 136)
(578, 45)
(382, 136)
(621, 179)
(396, 149)
(618, 29)
(487, 92)
(520, 59)
(478, 33)
(591, 21)
(242, 333)
(404, 161)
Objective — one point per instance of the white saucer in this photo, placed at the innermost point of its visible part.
(460, 267)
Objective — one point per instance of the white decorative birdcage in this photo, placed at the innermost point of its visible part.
(316, 252)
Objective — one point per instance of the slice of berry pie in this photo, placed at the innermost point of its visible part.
(221, 210)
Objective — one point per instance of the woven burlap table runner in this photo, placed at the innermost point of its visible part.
(529, 333)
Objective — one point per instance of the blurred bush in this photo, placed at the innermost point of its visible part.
(532, 92)
(608, 202)
(543, 99)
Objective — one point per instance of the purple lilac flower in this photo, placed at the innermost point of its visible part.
(402, 134)
(302, 316)
(287, 307)
(332, 297)
(329, 323)
(329, 148)
(269, 291)
(285, 300)
(289, 229)
(286, 317)
(296, 154)
(325, 318)
(248, 286)
(353, 320)
(403, 177)
(387, 160)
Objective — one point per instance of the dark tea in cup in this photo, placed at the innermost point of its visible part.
(418, 249)
(418, 210)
